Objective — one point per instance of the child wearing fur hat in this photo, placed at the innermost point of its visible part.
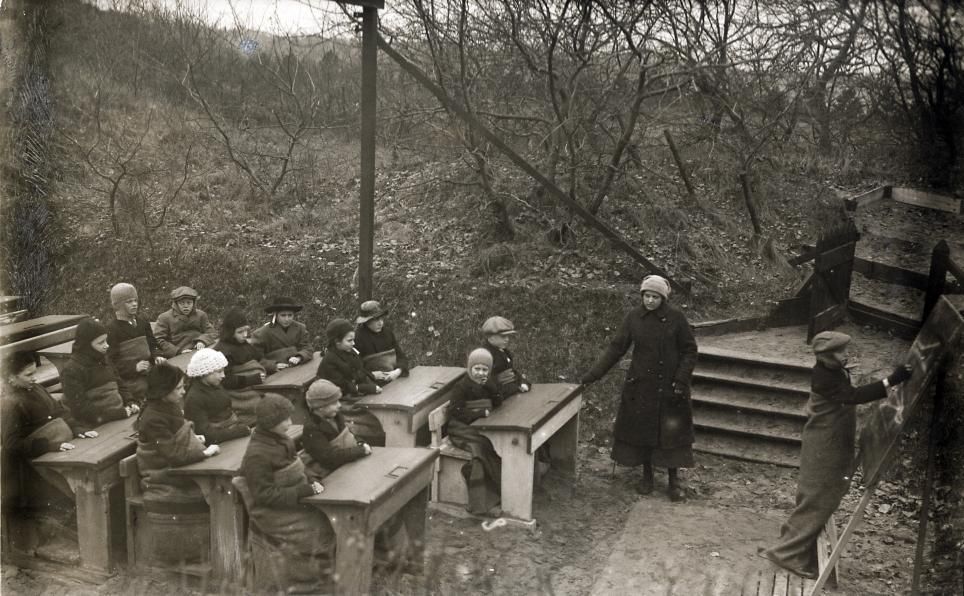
(207, 404)
(185, 327)
(377, 345)
(246, 365)
(274, 482)
(284, 340)
(498, 332)
(132, 348)
(327, 439)
(474, 396)
(342, 366)
(827, 450)
(90, 385)
(166, 439)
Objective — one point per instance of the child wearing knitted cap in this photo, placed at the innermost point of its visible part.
(827, 450)
(132, 348)
(327, 439)
(185, 327)
(207, 404)
(498, 332)
(475, 396)
(343, 367)
(90, 385)
(274, 482)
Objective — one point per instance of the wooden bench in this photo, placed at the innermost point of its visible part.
(448, 485)
(30, 328)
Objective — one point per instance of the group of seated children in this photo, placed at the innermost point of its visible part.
(120, 370)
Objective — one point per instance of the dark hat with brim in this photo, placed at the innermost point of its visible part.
(369, 310)
(283, 303)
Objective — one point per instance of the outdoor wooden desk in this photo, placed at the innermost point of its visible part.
(58, 354)
(31, 327)
(521, 425)
(292, 383)
(362, 495)
(9, 303)
(404, 404)
(213, 475)
(88, 473)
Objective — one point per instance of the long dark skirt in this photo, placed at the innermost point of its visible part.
(626, 454)
(483, 473)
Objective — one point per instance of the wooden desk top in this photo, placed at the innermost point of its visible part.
(64, 349)
(526, 411)
(181, 361)
(228, 461)
(293, 377)
(31, 327)
(368, 480)
(408, 393)
(115, 440)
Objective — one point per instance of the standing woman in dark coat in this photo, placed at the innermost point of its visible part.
(654, 425)
(827, 450)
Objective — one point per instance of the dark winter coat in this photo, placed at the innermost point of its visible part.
(317, 440)
(29, 409)
(206, 406)
(346, 370)
(239, 353)
(502, 361)
(88, 369)
(272, 337)
(268, 452)
(650, 413)
(367, 342)
(120, 331)
(177, 332)
(466, 391)
(157, 424)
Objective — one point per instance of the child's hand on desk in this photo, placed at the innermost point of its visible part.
(524, 387)
(160, 359)
(263, 376)
(199, 345)
(378, 389)
(187, 350)
(90, 434)
(281, 365)
(317, 488)
(212, 450)
(394, 374)
(142, 366)
(66, 446)
(294, 360)
(132, 409)
(379, 375)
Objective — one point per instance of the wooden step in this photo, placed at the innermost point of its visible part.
(711, 353)
(749, 399)
(747, 377)
(747, 424)
(746, 448)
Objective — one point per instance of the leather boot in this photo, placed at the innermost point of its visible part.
(675, 490)
(647, 483)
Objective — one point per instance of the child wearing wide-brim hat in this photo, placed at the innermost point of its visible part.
(377, 344)
(827, 450)
(284, 340)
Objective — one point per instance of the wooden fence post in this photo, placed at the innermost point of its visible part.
(936, 277)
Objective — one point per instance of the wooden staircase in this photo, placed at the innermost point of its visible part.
(749, 407)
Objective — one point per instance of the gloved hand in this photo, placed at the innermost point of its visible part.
(900, 374)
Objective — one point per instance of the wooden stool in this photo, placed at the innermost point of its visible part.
(449, 484)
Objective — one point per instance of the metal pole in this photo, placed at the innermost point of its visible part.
(366, 224)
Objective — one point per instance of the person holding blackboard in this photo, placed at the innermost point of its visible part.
(827, 453)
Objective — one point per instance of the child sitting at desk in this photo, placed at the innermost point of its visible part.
(284, 340)
(342, 366)
(165, 439)
(327, 439)
(246, 366)
(474, 396)
(377, 345)
(207, 404)
(185, 327)
(132, 349)
(497, 332)
(90, 384)
(274, 484)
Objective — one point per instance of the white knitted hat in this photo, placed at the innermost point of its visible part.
(206, 361)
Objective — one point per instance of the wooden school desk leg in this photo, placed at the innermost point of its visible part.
(413, 515)
(395, 425)
(354, 550)
(564, 445)
(227, 524)
(93, 522)
(518, 473)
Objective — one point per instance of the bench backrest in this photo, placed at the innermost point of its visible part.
(131, 474)
(436, 421)
(39, 342)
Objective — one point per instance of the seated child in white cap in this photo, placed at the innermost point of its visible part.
(497, 332)
(185, 327)
(207, 404)
(132, 348)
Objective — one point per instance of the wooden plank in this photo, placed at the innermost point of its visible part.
(293, 377)
(228, 461)
(919, 198)
(8, 318)
(39, 342)
(21, 330)
(421, 385)
(825, 544)
(525, 411)
(890, 274)
(371, 479)
(868, 198)
(899, 325)
(115, 441)
(835, 257)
